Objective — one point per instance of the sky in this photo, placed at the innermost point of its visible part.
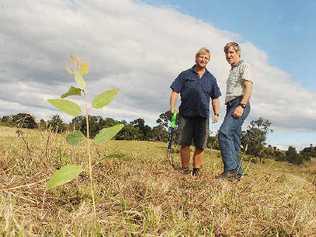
(141, 46)
(285, 30)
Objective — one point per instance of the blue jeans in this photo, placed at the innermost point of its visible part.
(229, 137)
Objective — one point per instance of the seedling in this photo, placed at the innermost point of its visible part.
(78, 69)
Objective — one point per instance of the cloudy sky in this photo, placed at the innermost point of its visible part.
(141, 46)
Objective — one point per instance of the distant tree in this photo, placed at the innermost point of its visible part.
(108, 122)
(305, 156)
(78, 123)
(24, 120)
(56, 124)
(279, 155)
(7, 120)
(309, 152)
(42, 124)
(129, 132)
(163, 119)
(292, 156)
(163, 122)
(160, 133)
(212, 142)
(139, 124)
(253, 139)
(296, 158)
(96, 124)
(147, 133)
(268, 152)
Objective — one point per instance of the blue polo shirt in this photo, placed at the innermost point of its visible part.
(195, 92)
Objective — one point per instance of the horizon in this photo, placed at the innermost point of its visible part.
(211, 134)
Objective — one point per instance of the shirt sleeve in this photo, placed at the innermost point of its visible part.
(245, 72)
(177, 84)
(216, 92)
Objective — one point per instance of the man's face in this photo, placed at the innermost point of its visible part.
(232, 56)
(202, 59)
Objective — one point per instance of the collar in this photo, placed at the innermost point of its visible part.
(193, 69)
(240, 62)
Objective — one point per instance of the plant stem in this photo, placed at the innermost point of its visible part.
(23, 186)
(89, 155)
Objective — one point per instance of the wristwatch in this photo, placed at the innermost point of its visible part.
(243, 105)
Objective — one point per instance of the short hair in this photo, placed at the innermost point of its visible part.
(203, 51)
(235, 46)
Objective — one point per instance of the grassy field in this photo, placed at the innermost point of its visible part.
(139, 194)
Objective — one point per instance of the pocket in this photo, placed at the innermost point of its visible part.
(206, 87)
(190, 83)
(207, 90)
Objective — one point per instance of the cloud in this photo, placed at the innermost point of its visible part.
(133, 46)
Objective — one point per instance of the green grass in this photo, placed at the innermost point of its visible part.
(139, 194)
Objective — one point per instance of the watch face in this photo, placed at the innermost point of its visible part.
(243, 105)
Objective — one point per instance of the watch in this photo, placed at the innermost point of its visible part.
(243, 105)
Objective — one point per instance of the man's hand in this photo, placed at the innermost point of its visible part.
(173, 101)
(238, 112)
(216, 109)
(215, 118)
(173, 110)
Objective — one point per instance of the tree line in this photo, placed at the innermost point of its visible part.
(134, 130)
(253, 139)
(253, 142)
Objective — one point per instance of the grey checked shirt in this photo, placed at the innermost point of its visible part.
(237, 75)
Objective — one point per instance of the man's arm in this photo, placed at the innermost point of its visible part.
(245, 99)
(216, 105)
(173, 101)
(216, 109)
(247, 92)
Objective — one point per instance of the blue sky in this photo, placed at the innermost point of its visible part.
(284, 29)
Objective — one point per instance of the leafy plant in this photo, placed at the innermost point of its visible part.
(78, 69)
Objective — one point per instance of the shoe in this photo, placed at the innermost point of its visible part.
(196, 172)
(185, 171)
(229, 175)
(239, 176)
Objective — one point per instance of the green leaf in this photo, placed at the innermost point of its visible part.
(75, 137)
(79, 79)
(66, 106)
(106, 134)
(104, 98)
(64, 175)
(72, 91)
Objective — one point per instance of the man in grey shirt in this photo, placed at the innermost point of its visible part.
(238, 92)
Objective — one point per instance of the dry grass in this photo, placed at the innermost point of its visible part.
(139, 194)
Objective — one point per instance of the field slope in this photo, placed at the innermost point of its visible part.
(139, 194)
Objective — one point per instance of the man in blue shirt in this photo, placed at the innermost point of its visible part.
(196, 86)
